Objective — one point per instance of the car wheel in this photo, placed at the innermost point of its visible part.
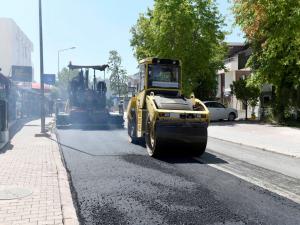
(231, 116)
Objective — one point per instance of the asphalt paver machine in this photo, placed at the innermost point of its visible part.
(86, 105)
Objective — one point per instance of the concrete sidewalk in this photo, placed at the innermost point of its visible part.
(283, 140)
(34, 187)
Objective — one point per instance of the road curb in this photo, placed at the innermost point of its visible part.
(67, 204)
(252, 146)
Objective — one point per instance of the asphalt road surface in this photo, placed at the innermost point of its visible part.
(115, 182)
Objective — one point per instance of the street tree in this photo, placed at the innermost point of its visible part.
(118, 75)
(54, 93)
(64, 77)
(189, 30)
(246, 93)
(273, 30)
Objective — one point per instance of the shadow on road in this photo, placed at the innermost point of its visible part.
(91, 127)
(209, 158)
(177, 159)
(68, 147)
(168, 155)
(186, 157)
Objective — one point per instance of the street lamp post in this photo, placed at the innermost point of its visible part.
(58, 57)
(42, 69)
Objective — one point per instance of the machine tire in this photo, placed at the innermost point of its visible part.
(152, 141)
(231, 116)
(132, 130)
(199, 148)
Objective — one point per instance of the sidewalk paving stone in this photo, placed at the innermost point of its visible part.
(279, 139)
(35, 163)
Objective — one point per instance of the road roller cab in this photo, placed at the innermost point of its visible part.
(161, 114)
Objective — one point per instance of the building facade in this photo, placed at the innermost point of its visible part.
(235, 69)
(15, 50)
(15, 46)
(4, 95)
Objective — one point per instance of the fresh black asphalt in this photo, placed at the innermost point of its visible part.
(115, 182)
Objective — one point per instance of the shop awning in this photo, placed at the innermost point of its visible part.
(37, 86)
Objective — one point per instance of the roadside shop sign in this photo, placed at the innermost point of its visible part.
(49, 79)
(21, 73)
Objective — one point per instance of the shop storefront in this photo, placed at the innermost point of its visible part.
(4, 95)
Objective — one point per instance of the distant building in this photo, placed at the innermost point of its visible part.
(15, 50)
(15, 46)
(133, 83)
(235, 69)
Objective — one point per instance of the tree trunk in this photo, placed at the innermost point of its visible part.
(280, 104)
(246, 116)
(280, 112)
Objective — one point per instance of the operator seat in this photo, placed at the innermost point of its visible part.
(101, 88)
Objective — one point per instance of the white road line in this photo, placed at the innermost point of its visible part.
(261, 183)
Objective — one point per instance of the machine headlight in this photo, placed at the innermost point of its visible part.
(164, 114)
(202, 116)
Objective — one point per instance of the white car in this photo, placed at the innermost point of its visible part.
(219, 112)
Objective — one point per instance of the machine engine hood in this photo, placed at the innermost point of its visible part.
(173, 103)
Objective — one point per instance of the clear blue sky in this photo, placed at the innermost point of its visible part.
(94, 27)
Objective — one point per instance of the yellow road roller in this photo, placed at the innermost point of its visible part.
(160, 114)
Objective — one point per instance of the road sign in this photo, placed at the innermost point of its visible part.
(49, 79)
(21, 73)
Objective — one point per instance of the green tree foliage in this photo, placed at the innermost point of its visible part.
(118, 75)
(273, 30)
(54, 93)
(189, 30)
(246, 93)
(64, 77)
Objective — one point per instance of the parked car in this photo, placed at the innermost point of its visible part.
(219, 112)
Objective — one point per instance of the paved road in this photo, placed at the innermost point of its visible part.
(117, 183)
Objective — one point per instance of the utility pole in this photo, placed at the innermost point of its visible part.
(58, 69)
(42, 70)
(58, 57)
(119, 91)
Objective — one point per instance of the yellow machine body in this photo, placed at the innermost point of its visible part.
(160, 113)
